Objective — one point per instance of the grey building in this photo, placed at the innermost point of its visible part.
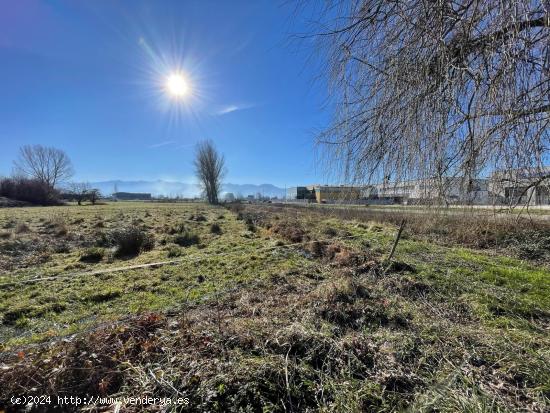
(521, 186)
(132, 196)
(300, 193)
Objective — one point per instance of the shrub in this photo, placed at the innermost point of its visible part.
(92, 255)
(250, 224)
(174, 251)
(131, 241)
(57, 224)
(330, 232)
(29, 190)
(61, 230)
(199, 218)
(102, 239)
(186, 239)
(178, 228)
(215, 228)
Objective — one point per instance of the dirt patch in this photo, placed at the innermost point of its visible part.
(290, 231)
(336, 253)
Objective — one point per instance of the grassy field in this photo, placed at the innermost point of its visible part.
(54, 242)
(268, 308)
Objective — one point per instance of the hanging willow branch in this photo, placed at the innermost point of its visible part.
(436, 88)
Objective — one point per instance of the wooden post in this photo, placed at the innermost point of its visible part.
(397, 237)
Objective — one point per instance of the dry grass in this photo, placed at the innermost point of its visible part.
(439, 329)
(521, 236)
(131, 241)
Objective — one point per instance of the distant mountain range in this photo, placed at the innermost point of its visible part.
(183, 189)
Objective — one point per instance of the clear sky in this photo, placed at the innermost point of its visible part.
(89, 77)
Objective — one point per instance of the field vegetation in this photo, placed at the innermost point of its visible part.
(274, 308)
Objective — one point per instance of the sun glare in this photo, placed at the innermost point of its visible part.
(177, 86)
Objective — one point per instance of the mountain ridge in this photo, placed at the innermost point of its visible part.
(161, 187)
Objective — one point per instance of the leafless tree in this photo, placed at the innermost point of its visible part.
(49, 165)
(209, 169)
(79, 191)
(436, 88)
(82, 191)
(93, 195)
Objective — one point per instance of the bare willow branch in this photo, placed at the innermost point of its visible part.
(433, 89)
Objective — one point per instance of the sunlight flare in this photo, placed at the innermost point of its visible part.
(177, 86)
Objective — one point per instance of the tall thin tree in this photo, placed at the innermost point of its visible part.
(210, 170)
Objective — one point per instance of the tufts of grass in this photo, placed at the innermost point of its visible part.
(215, 228)
(330, 232)
(174, 251)
(103, 296)
(178, 228)
(186, 239)
(61, 247)
(21, 228)
(250, 224)
(183, 236)
(25, 311)
(130, 241)
(61, 231)
(92, 255)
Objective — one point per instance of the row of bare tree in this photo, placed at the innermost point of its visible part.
(41, 175)
(51, 167)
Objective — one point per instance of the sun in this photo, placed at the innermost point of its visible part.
(177, 86)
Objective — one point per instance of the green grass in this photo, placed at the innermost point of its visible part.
(444, 328)
(77, 301)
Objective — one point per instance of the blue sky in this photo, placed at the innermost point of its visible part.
(89, 77)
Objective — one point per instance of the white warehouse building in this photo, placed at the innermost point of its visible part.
(521, 186)
(446, 190)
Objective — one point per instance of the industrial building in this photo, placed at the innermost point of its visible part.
(451, 190)
(521, 186)
(131, 196)
(300, 193)
(336, 194)
(324, 193)
(406, 192)
(515, 186)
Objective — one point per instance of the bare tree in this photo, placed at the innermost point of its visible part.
(210, 170)
(93, 195)
(49, 165)
(79, 191)
(436, 88)
(82, 191)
